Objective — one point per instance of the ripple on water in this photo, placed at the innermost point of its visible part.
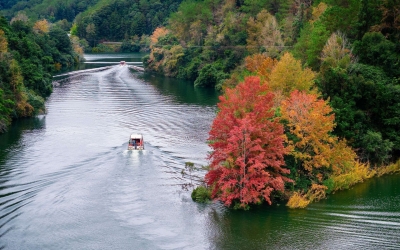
(73, 184)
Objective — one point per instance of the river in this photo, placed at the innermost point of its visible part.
(68, 182)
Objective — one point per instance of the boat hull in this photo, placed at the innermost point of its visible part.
(137, 148)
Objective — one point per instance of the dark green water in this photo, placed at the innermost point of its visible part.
(68, 182)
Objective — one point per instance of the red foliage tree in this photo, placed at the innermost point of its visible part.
(247, 142)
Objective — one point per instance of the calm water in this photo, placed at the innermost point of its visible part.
(68, 182)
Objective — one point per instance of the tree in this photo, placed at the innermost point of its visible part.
(336, 52)
(159, 32)
(61, 39)
(91, 32)
(41, 26)
(172, 57)
(3, 42)
(368, 15)
(389, 26)
(288, 75)
(310, 123)
(210, 75)
(261, 65)
(196, 32)
(312, 38)
(375, 49)
(21, 16)
(342, 16)
(181, 21)
(376, 150)
(247, 141)
(263, 32)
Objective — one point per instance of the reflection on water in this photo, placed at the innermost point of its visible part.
(182, 91)
(345, 220)
(67, 180)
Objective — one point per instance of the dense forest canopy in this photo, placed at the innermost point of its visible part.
(339, 60)
(53, 10)
(29, 53)
(98, 20)
(123, 19)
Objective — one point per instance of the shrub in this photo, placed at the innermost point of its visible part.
(390, 169)
(298, 200)
(211, 75)
(201, 194)
(360, 173)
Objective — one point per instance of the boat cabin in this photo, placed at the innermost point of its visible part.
(136, 142)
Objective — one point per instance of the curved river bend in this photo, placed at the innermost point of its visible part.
(68, 182)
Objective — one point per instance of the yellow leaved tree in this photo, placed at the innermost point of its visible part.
(41, 26)
(288, 75)
(3, 42)
(310, 121)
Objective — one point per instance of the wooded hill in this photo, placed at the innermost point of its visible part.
(34, 42)
(351, 48)
(29, 54)
(331, 73)
(99, 20)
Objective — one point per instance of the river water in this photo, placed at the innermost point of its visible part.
(68, 182)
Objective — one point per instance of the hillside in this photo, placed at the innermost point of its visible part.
(29, 54)
(329, 70)
(98, 20)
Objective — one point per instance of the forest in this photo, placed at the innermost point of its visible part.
(99, 21)
(310, 91)
(29, 54)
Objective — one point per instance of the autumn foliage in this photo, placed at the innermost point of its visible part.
(261, 65)
(41, 26)
(3, 42)
(288, 75)
(159, 32)
(247, 142)
(310, 120)
(246, 164)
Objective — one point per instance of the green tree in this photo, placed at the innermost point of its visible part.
(375, 49)
(375, 149)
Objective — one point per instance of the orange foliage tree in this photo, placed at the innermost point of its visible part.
(310, 122)
(159, 32)
(157, 53)
(247, 142)
(261, 65)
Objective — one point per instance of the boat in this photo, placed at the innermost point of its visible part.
(122, 63)
(136, 142)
